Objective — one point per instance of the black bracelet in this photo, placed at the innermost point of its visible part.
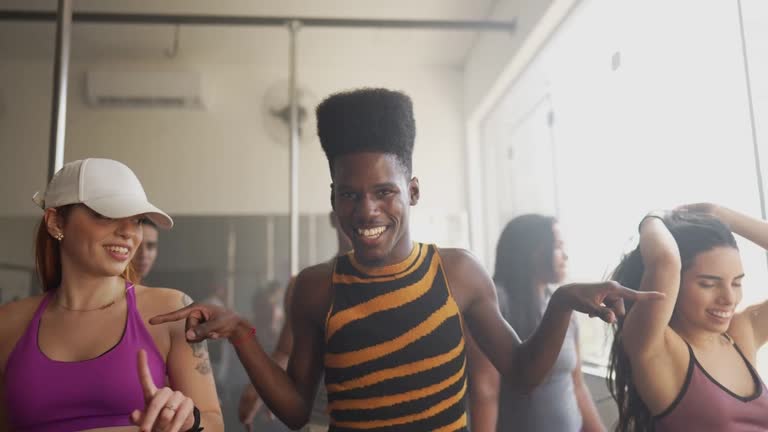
(196, 425)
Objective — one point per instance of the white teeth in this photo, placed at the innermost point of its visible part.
(721, 314)
(371, 232)
(118, 249)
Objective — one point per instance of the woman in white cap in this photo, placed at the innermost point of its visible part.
(81, 355)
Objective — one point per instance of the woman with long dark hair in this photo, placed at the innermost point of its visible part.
(530, 260)
(687, 362)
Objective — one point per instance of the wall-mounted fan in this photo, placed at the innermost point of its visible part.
(276, 113)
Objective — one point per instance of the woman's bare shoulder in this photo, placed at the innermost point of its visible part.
(16, 316)
(19, 311)
(161, 300)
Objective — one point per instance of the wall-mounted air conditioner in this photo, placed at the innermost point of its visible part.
(144, 88)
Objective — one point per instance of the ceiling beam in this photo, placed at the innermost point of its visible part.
(183, 19)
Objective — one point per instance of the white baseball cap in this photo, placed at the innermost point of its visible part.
(106, 186)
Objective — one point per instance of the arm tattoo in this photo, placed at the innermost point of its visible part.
(199, 349)
(200, 352)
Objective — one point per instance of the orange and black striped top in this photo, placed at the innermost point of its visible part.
(395, 358)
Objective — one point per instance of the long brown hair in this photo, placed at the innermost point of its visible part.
(48, 254)
(694, 234)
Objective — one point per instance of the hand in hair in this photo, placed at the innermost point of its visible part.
(749, 227)
(602, 299)
(702, 207)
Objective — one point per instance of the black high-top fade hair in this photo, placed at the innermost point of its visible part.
(372, 120)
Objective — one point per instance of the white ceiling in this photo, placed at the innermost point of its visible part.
(231, 44)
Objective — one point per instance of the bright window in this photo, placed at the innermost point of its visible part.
(649, 110)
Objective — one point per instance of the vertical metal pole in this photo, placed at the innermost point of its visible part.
(753, 127)
(60, 76)
(293, 27)
(270, 248)
(231, 264)
(555, 177)
(312, 239)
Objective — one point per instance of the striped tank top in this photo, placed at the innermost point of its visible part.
(395, 358)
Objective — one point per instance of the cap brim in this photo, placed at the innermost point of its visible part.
(127, 206)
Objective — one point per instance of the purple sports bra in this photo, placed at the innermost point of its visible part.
(55, 396)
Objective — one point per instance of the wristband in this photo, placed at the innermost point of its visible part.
(196, 424)
(239, 341)
(657, 215)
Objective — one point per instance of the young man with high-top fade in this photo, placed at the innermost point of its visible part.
(383, 323)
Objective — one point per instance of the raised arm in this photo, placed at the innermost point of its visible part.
(524, 365)
(752, 229)
(643, 333)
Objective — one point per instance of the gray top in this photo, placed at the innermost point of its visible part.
(552, 405)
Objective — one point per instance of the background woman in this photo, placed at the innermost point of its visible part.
(530, 259)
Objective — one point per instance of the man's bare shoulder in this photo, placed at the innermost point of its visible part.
(459, 260)
(317, 272)
(466, 276)
(312, 291)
